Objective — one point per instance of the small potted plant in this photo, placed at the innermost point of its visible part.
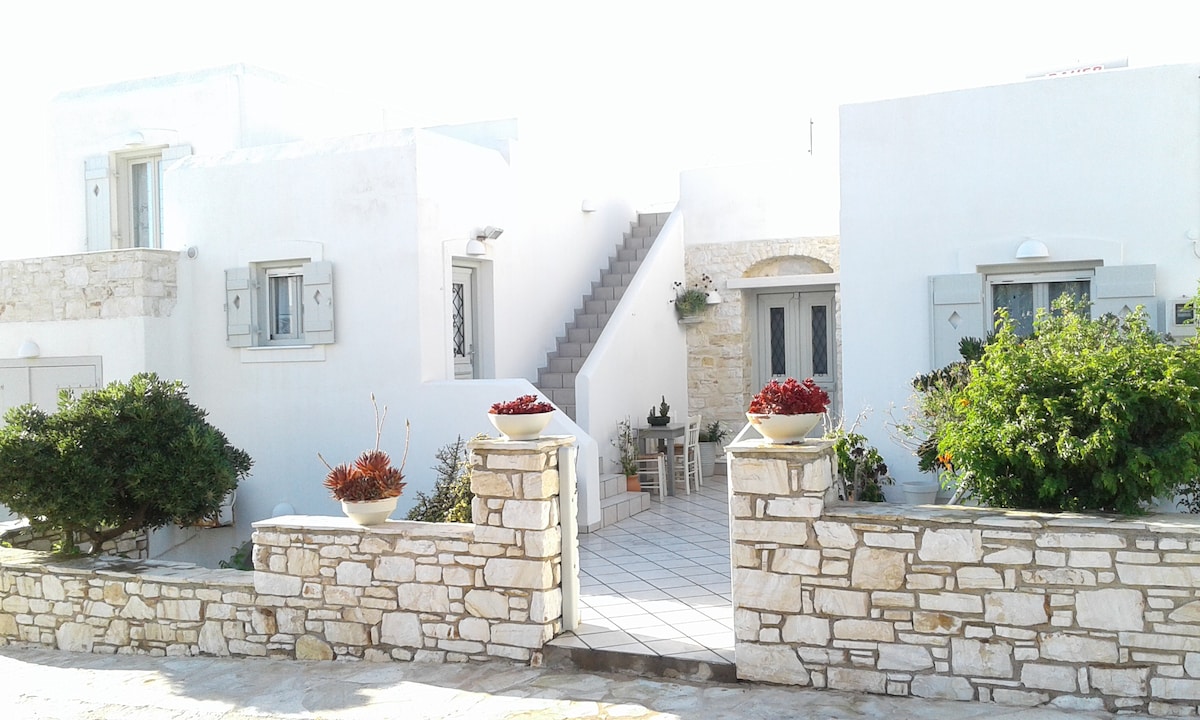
(663, 415)
(785, 412)
(710, 437)
(627, 454)
(691, 301)
(522, 419)
(370, 487)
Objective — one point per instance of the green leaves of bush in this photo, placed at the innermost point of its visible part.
(129, 456)
(1096, 415)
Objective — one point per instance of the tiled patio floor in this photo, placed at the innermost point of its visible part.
(657, 583)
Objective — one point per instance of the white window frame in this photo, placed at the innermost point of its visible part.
(269, 275)
(123, 169)
(1041, 285)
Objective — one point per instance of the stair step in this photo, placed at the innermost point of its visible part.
(560, 365)
(586, 320)
(579, 335)
(674, 668)
(623, 505)
(595, 306)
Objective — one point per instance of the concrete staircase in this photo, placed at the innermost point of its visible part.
(617, 503)
(556, 380)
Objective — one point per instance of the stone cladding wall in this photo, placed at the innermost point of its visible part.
(21, 534)
(1072, 611)
(107, 284)
(720, 376)
(325, 588)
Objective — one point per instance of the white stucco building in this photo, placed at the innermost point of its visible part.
(957, 203)
(230, 228)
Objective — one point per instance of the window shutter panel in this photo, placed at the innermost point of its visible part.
(318, 303)
(239, 314)
(97, 204)
(1118, 289)
(956, 312)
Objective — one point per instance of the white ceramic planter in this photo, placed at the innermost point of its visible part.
(920, 493)
(708, 458)
(784, 429)
(521, 427)
(370, 512)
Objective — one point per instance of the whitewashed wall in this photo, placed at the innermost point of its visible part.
(214, 111)
(641, 358)
(1096, 166)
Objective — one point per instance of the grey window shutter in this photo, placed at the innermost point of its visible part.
(318, 303)
(956, 312)
(1118, 289)
(239, 308)
(97, 203)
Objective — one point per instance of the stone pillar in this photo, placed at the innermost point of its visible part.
(516, 486)
(777, 494)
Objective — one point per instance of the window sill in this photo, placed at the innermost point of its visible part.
(283, 353)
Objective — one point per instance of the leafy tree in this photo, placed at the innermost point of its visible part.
(1084, 414)
(130, 456)
(452, 496)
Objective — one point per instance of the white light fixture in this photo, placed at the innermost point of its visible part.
(1032, 250)
(29, 349)
(476, 248)
(714, 297)
(587, 206)
(134, 138)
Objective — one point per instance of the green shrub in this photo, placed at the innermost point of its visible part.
(860, 466)
(1095, 415)
(127, 457)
(241, 559)
(452, 496)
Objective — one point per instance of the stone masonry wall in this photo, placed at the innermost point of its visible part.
(22, 534)
(107, 284)
(325, 588)
(1074, 611)
(720, 376)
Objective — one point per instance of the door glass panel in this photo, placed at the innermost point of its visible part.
(1075, 289)
(459, 321)
(820, 340)
(1017, 298)
(141, 195)
(778, 342)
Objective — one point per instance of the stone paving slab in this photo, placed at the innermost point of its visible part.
(57, 685)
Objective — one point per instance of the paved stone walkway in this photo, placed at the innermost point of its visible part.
(58, 685)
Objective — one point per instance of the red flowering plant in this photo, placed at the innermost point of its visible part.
(790, 397)
(372, 476)
(524, 405)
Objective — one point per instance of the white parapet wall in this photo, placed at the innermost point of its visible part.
(1021, 608)
(324, 588)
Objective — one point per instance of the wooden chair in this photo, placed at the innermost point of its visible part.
(687, 456)
(652, 472)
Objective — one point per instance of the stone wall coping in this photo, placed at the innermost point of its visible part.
(1004, 518)
(165, 571)
(542, 444)
(759, 445)
(400, 528)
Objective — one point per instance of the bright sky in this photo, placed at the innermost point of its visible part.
(688, 82)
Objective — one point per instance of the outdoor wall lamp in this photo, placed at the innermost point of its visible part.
(476, 246)
(29, 349)
(1032, 250)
